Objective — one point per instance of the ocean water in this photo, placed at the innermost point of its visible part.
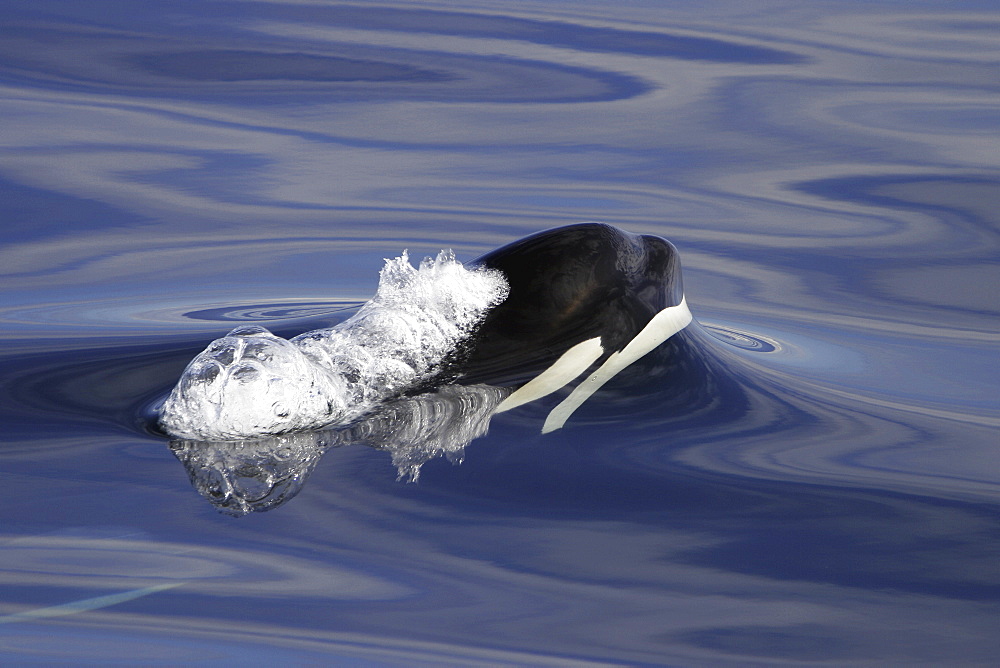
(809, 475)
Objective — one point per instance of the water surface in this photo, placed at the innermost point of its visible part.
(829, 173)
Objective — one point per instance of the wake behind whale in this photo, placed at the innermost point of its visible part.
(532, 316)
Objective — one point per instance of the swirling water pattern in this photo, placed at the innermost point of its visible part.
(823, 486)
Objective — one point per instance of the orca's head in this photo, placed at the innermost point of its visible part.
(567, 285)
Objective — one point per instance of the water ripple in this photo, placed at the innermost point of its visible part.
(108, 62)
(817, 484)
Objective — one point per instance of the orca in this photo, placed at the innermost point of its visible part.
(531, 316)
(585, 300)
(577, 295)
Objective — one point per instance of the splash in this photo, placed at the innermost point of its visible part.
(253, 383)
(257, 475)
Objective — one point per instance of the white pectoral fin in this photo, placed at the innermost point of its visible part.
(570, 364)
(664, 324)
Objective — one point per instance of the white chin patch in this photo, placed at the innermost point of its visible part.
(571, 364)
(664, 324)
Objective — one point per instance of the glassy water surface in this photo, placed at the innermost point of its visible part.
(809, 475)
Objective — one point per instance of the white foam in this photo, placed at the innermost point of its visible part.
(253, 383)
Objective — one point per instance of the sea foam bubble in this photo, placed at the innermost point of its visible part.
(253, 383)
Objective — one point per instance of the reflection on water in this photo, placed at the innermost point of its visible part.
(245, 476)
(811, 479)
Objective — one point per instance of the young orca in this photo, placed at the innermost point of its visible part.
(577, 294)
(533, 315)
(581, 298)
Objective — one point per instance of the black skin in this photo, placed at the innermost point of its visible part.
(568, 285)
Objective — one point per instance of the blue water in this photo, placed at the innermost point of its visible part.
(822, 487)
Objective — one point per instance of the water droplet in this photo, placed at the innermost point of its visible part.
(258, 350)
(222, 351)
(205, 373)
(245, 373)
(250, 330)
